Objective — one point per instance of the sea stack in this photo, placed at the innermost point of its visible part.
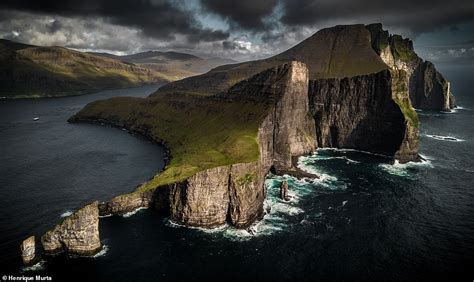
(27, 248)
(284, 191)
(78, 234)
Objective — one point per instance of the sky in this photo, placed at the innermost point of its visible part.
(442, 31)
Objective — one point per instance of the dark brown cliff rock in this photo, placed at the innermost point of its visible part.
(369, 112)
(235, 193)
(433, 91)
(428, 89)
(202, 200)
(78, 234)
(284, 191)
(357, 113)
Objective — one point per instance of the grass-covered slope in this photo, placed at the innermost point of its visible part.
(336, 52)
(174, 64)
(200, 133)
(32, 71)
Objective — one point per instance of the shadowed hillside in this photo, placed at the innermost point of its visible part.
(32, 71)
(341, 51)
(174, 64)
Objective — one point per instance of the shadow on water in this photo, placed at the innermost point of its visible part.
(50, 168)
(364, 219)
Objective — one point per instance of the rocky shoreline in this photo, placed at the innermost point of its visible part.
(234, 194)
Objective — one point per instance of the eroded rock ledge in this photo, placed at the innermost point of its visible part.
(78, 234)
(369, 112)
(234, 194)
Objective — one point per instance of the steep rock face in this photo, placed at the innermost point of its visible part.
(363, 113)
(201, 200)
(433, 91)
(288, 130)
(408, 150)
(210, 198)
(78, 234)
(246, 193)
(427, 87)
(236, 193)
(28, 250)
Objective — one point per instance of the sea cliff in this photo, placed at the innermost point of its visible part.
(428, 89)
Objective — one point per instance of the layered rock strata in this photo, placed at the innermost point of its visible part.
(28, 250)
(78, 234)
(235, 193)
(368, 112)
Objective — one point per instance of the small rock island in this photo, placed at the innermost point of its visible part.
(349, 86)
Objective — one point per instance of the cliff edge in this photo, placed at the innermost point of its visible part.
(427, 87)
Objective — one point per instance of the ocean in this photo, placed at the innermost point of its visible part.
(363, 219)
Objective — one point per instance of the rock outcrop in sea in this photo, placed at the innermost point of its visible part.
(78, 234)
(292, 109)
(28, 250)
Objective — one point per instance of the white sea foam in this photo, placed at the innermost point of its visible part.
(129, 214)
(66, 213)
(102, 252)
(306, 163)
(351, 150)
(445, 138)
(344, 203)
(107, 215)
(35, 267)
(452, 111)
(403, 169)
(173, 224)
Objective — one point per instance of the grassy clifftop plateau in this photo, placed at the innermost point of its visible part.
(200, 133)
(204, 130)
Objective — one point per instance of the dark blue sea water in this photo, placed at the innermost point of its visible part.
(50, 168)
(364, 219)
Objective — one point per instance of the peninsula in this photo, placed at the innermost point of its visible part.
(344, 87)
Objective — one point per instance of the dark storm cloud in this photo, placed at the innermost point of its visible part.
(232, 45)
(246, 14)
(156, 18)
(415, 16)
(451, 53)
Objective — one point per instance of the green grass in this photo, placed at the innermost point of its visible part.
(55, 71)
(408, 111)
(401, 49)
(201, 133)
(401, 97)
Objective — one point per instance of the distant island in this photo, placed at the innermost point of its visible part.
(28, 71)
(351, 86)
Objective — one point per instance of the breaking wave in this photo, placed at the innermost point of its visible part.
(66, 214)
(102, 252)
(35, 267)
(399, 169)
(129, 214)
(445, 138)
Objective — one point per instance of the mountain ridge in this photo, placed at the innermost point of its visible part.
(29, 71)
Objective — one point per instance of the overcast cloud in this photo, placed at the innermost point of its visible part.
(242, 30)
